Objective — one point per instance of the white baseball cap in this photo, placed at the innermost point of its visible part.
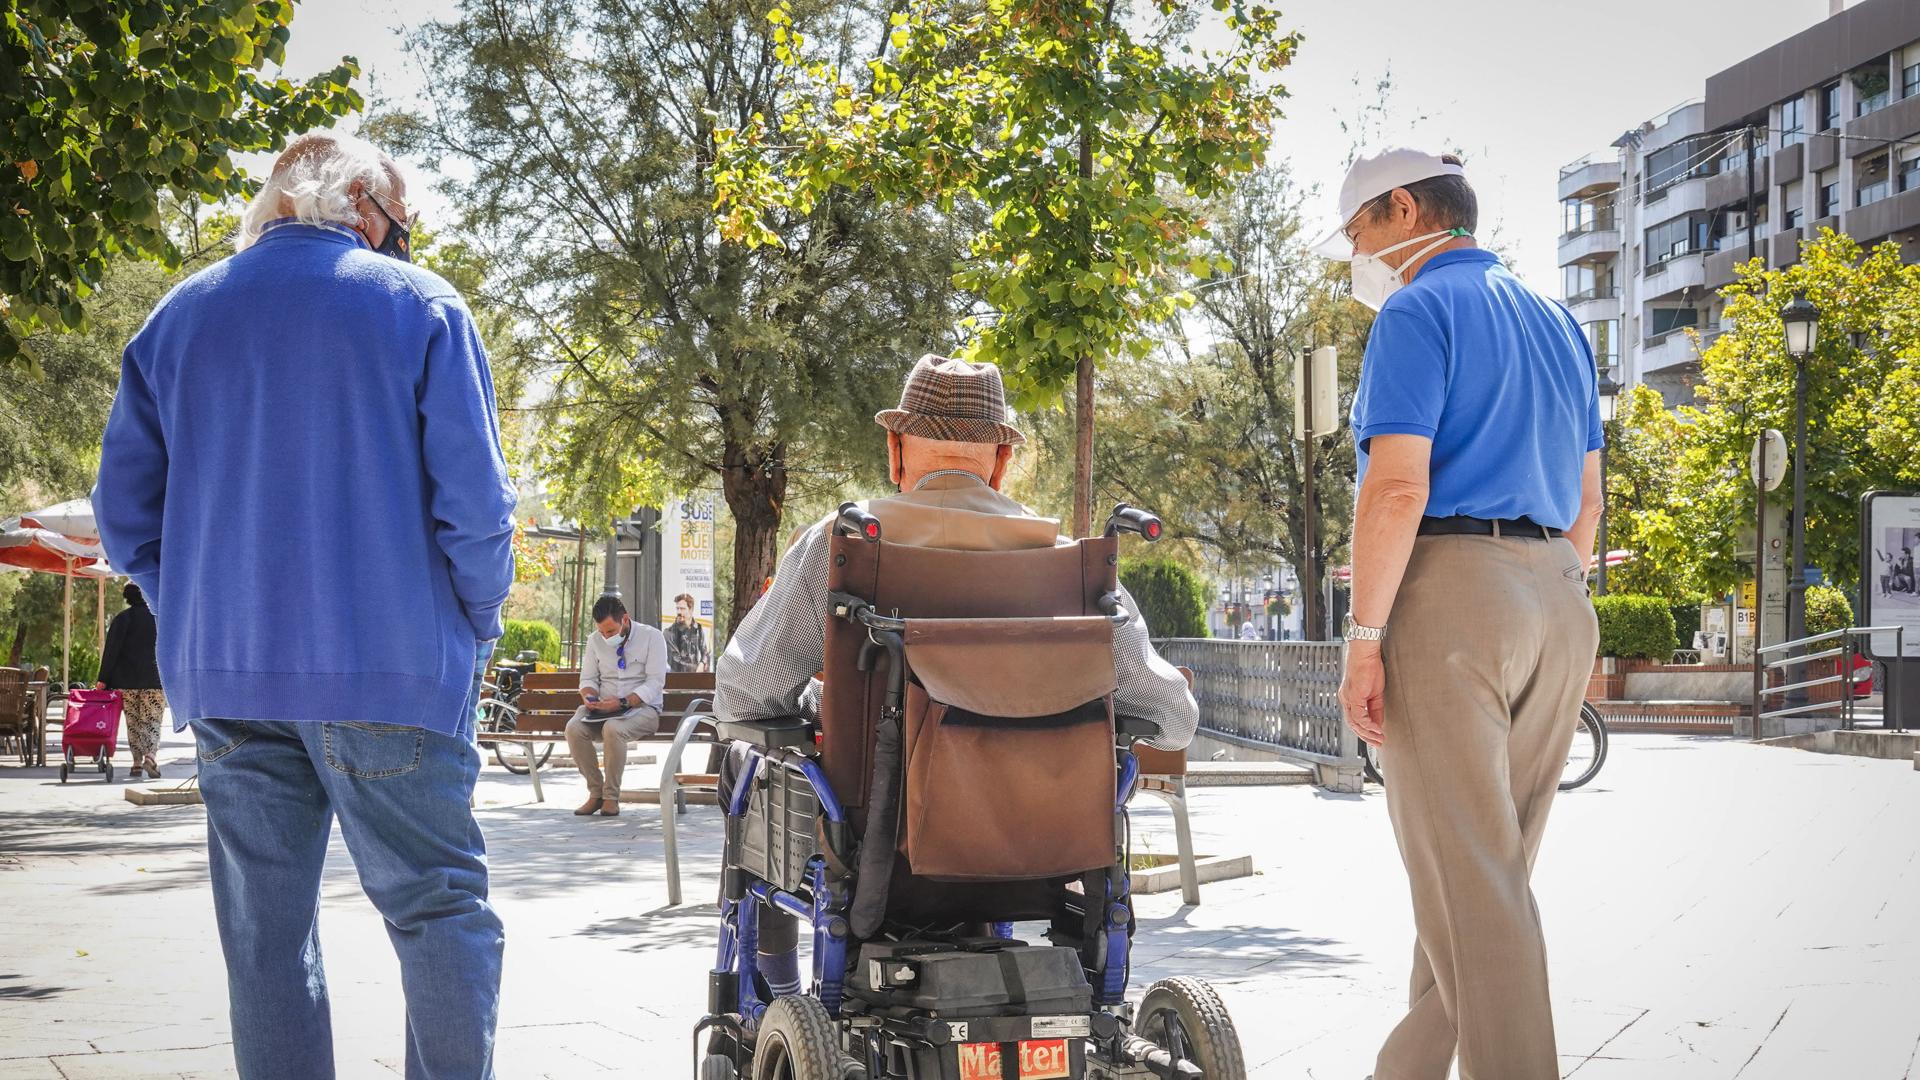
(1371, 177)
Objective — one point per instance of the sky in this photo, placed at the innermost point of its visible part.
(1521, 87)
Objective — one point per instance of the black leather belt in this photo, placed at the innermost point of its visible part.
(1510, 528)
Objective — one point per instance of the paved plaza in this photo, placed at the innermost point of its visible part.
(1715, 910)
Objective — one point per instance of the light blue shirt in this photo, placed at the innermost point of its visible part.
(1501, 379)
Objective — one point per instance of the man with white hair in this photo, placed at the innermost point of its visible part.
(303, 474)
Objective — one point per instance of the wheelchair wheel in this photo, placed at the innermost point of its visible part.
(1187, 1018)
(718, 1067)
(513, 756)
(1370, 762)
(797, 1041)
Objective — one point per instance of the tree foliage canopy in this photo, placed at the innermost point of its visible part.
(1863, 412)
(104, 107)
(1085, 138)
(579, 136)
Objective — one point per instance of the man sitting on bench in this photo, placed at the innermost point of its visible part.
(622, 682)
(948, 448)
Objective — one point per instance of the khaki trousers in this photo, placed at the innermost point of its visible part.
(1491, 644)
(615, 732)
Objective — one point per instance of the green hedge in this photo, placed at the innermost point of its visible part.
(1636, 627)
(1172, 598)
(524, 634)
(1827, 610)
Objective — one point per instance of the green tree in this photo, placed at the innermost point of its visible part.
(582, 135)
(1207, 439)
(1649, 501)
(1085, 133)
(52, 410)
(106, 105)
(1863, 416)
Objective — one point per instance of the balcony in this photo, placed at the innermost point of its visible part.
(1673, 274)
(1878, 220)
(1720, 265)
(1897, 121)
(1786, 248)
(1590, 175)
(1595, 305)
(1671, 349)
(1590, 244)
(1730, 186)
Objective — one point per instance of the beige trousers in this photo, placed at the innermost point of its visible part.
(614, 733)
(1491, 644)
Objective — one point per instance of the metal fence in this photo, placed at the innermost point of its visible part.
(1279, 696)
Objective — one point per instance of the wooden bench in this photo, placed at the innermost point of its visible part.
(548, 700)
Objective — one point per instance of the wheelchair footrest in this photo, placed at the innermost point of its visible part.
(971, 977)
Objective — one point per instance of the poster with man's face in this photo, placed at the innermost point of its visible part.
(1889, 585)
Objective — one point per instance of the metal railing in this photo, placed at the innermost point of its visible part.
(1845, 651)
(1277, 696)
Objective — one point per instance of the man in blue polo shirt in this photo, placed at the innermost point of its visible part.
(1471, 635)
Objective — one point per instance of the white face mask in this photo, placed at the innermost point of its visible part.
(613, 637)
(1374, 280)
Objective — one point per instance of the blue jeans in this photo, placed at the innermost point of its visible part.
(402, 794)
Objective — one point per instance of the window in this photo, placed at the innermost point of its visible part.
(1587, 215)
(1872, 179)
(1588, 281)
(1604, 336)
(1909, 178)
(1870, 87)
(1683, 235)
(1793, 127)
(1791, 205)
(1663, 321)
(1671, 164)
(1827, 193)
(1830, 107)
(1910, 81)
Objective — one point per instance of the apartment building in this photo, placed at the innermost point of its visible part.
(1652, 229)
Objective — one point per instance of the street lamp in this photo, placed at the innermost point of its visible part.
(1801, 319)
(1609, 396)
(1266, 602)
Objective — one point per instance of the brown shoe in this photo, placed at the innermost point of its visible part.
(590, 806)
(609, 807)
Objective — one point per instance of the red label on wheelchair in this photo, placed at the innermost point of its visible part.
(1043, 1059)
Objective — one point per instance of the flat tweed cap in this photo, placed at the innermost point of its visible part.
(952, 401)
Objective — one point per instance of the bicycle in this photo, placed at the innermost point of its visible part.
(1588, 753)
(500, 715)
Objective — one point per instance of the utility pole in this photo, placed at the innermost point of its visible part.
(1760, 523)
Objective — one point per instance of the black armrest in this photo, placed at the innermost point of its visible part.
(780, 733)
(1138, 728)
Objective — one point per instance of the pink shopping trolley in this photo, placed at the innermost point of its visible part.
(91, 730)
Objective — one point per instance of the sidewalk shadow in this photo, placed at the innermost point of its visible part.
(27, 992)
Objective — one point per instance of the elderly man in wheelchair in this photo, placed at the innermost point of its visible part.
(961, 766)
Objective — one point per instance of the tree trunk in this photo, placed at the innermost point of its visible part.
(1083, 448)
(755, 487)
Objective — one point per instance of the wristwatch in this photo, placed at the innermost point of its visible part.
(1356, 632)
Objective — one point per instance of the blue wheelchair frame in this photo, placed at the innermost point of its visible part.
(826, 909)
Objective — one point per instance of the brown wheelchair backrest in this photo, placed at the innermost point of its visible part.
(1065, 581)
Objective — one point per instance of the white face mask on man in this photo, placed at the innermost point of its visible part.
(1374, 280)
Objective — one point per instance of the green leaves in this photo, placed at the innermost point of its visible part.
(994, 108)
(159, 100)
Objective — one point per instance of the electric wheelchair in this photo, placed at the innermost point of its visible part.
(966, 774)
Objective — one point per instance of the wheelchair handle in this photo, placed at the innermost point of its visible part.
(1134, 520)
(853, 521)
